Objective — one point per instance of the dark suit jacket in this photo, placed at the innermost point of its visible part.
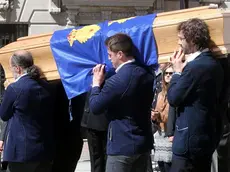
(171, 121)
(224, 128)
(157, 89)
(91, 121)
(28, 108)
(196, 93)
(2, 89)
(127, 96)
(2, 80)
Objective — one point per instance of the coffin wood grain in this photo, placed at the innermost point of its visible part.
(164, 29)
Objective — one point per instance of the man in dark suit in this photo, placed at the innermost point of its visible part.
(221, 157)
(195, 90)
(67, 149)
(127, 96)
(28, 109)
(2, 123)
(97, 126)
(3, 126)
(75, 132)
(2, 80)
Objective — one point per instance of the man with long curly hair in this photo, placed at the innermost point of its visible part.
(195, 90)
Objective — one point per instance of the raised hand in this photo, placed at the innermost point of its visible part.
(98, 75)
(178, 60)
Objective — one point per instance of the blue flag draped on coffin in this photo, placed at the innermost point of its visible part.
(77, 50)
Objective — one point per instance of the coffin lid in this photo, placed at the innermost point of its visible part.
(164, 29)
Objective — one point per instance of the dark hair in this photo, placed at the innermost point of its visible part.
(196, 31)
(26, 62)
(164, 84)
(120, 42)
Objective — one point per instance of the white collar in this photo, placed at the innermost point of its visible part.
(192, 56)
(119, 67)
(20, 77)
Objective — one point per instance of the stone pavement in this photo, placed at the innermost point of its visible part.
(84, 163)
(83, 166)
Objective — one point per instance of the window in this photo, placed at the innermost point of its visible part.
(11, 32)
(8, 34)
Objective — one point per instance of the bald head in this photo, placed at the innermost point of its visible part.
(22, 53)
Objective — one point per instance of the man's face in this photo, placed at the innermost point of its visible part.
(184, 45)
(15, 70)
(114, 58)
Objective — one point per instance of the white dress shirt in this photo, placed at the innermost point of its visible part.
(119, 67)
(20, 77)
(193, 56)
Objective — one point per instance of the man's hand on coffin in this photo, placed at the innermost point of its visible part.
(98, 75)
(178, 61)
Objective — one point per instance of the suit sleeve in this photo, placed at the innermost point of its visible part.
(6, 108)
(181, 87)
(171, 121)
(101, 98)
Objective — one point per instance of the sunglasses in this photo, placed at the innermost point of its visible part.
(168, 73)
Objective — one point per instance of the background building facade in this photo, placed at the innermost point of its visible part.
(28, 17)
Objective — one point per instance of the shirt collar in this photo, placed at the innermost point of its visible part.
(20, 77)
(192, 56)
(119, 67)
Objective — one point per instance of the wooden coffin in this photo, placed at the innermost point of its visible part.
(164, 28)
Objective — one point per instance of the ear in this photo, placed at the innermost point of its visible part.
(18, 69)
(191, 43)
(120, 54)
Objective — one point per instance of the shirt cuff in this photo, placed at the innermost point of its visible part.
(176, 73)
(95, 90)
(96, 87)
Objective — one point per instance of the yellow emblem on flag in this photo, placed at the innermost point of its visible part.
(120, 20)
(82, 35)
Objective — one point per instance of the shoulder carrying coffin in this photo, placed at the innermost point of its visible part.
(164, 28)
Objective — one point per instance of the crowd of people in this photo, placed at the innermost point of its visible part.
(178, 112)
